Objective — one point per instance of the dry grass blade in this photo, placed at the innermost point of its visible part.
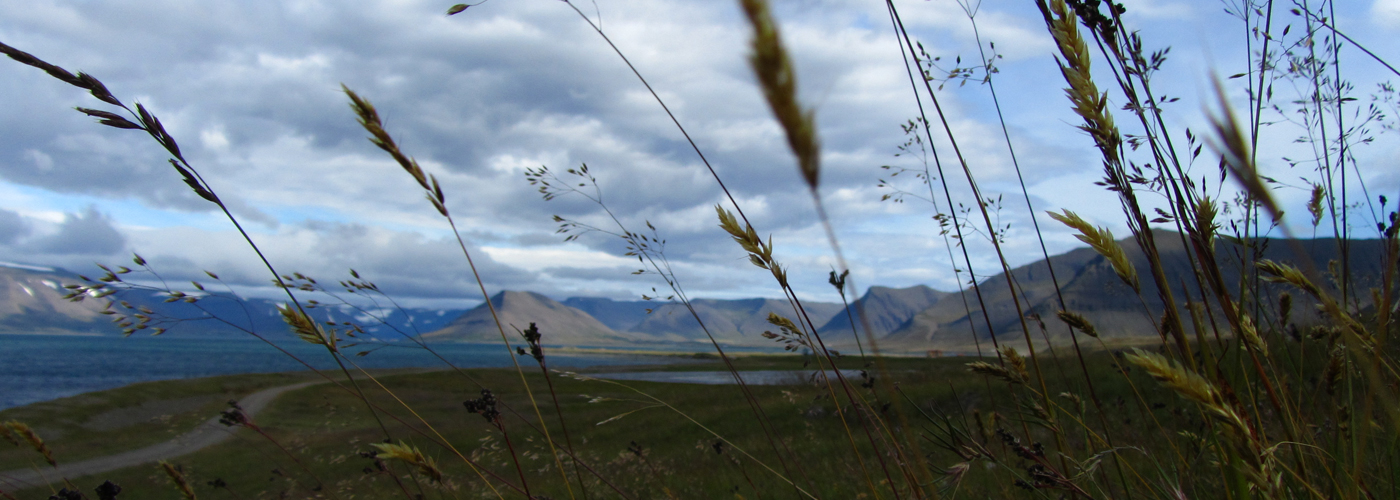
(773, 67)
(1101, 240)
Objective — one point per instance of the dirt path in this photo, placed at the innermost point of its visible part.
(208, 433)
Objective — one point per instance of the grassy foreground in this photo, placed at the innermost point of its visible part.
(320, 437)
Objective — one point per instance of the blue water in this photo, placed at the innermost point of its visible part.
(37, 368)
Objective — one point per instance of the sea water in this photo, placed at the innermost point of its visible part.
(37, 368)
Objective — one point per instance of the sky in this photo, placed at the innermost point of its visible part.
(252, 92)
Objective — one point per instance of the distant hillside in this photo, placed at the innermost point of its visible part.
(560, 324)
(1091, 287)
(886, 309)
(620, 315)
(733, 321)
(31, 301)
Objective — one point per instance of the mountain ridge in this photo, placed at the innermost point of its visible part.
(902, 319)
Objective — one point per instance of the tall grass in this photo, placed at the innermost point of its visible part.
(1241, 395)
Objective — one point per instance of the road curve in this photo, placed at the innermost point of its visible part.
(208, 433)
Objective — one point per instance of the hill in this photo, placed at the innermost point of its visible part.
(31, 301)
(740, 321)
(620, 315)
(886, 309)
(560, 324)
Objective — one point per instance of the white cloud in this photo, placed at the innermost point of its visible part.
(1386, 13)
(1159, 9)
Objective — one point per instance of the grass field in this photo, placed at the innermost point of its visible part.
(327, 432)
(325, 428)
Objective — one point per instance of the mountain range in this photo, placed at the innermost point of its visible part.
(914, 318)
(1089, 286)
(32, 302)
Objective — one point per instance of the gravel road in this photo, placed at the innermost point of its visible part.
(208, 433)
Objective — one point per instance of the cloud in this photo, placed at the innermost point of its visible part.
(1386, 13)
(252, 92)
(12, 226)
(87, 233)
(1159, 9)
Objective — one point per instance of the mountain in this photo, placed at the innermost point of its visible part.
(740, 321)
(1091, 287)
(886, 309)
(560, 324)
(619, 315)
(31, 301)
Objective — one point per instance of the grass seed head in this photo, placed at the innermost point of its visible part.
(304, 327)
(1078, 322)
(177, 477)
(1101, 240)
(369, 119)
(1283, 273)
(412, 456)
(1250, 335)
(771, 64)
(23, 430)
(985, 368)
(1089, 103)
(8, 435)
(1016, 362)
(1206, 211)
(1315, 203)
(1230, 142)
(1190, 385)
(1336, 366)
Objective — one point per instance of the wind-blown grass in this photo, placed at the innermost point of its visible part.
(1240, 399)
